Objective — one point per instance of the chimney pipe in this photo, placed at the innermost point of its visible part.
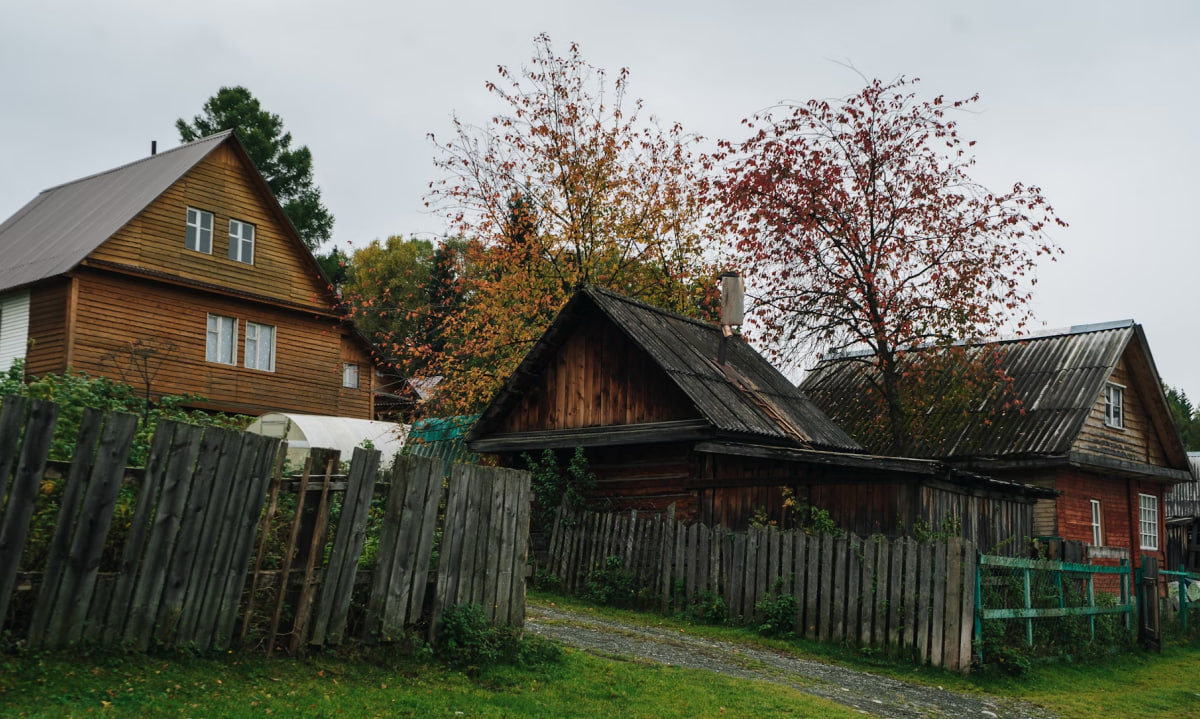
(732, 309)
(153, 147)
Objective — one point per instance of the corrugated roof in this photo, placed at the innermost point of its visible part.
(745, 396)
(1057, 377)
(57, 229)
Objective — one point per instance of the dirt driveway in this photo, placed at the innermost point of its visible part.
(871, 694)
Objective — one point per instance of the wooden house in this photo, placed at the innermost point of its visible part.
(664, 420)
(180, 270)
(1093, 425)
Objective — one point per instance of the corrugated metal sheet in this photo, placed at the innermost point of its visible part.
(62, 225)
(1057, 377)
(744, 396)
(443, 438)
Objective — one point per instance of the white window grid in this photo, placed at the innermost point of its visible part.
(1114, 406)
(220, 340)
(241, 241)
(1097, 524)
(260, 347)
(1148, 521)
(349, 375)
(199, 231)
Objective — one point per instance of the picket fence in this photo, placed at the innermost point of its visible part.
(906, 598)
(189, 574)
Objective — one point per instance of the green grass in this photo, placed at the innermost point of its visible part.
(62, 685)
(1133, 684)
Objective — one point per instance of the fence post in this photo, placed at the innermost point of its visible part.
(1183, 607)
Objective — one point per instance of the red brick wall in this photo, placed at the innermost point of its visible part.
(1118, 505)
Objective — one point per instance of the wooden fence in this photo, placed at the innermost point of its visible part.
(201, 554)
(906, 598)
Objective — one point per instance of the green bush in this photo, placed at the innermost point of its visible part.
(468, 641)
(554, 487)
(615, 587)
(706, 607)
(778, 611)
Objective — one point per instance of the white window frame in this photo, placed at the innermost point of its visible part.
(1148, 521)
(259, 350)
(350, 375)
(197, 234)
(1114, 405)
(221, 328)
(1097, 524)
(241, 241)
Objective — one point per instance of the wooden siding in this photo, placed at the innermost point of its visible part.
(642, 477)
(114, 309)
(351, 401)
(1137, 441)
(48, 312)
(222, 185)
(598, 378)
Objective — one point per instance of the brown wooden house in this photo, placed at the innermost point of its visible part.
(184, 262)
(1094, 426)
(664, 420)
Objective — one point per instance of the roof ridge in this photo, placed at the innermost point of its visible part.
(1049, 333)
(210, 138)
(647, 306)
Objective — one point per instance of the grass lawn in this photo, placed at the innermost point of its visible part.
(1134, 684)
(232, 685)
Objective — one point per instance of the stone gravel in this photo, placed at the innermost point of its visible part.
(869, 693)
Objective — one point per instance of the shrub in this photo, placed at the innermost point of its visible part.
(467, 640)
(706, 607)
(614, 586)
(778, 611)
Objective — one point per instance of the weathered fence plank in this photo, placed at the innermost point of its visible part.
(18, 510)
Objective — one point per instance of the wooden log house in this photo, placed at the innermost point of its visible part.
(1094, 426)
(186, 261)
(663, 420)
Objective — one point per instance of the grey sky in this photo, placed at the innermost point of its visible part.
(1093, 101)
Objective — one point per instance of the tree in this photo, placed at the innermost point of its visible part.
(287, 171)
(566, 186)
(1187, 418)
(385, 293)
(858, 227)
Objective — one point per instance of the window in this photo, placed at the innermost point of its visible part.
(350, 375)
(260, 347)
(1148, 520)
(199, 231)
(1114, 401)
(241, 241)
(220, 344)
(1097, 525)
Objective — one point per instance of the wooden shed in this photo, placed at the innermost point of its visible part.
(664, 420)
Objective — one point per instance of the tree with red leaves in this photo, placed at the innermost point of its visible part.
(858, 227)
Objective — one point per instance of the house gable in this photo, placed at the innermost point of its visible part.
(597, 377)
(225, 184)
(1137, 439)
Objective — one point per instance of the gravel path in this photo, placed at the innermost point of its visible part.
(871, 694)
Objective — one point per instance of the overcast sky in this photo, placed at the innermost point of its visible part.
(1096, 102)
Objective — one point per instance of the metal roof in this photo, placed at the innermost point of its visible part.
(1057, 377)
(57, 229)
(744, 396)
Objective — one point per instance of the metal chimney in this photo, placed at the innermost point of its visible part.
(732, 309)
(153, 147)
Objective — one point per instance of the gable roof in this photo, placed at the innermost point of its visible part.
(1058, 375)
(59, 228)
(56, 230)
(746, 396)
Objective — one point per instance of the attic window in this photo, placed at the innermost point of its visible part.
(199, 231)
(241, 241)
(1114, 406)
(349, 375)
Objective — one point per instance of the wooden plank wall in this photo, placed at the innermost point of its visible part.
(906, 598)
(184, 563)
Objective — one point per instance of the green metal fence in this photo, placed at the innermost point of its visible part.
(1185, 603)
(1050, 606)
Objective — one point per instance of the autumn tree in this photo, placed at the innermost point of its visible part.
(858, 226)
(287, 170)
(565, 186)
